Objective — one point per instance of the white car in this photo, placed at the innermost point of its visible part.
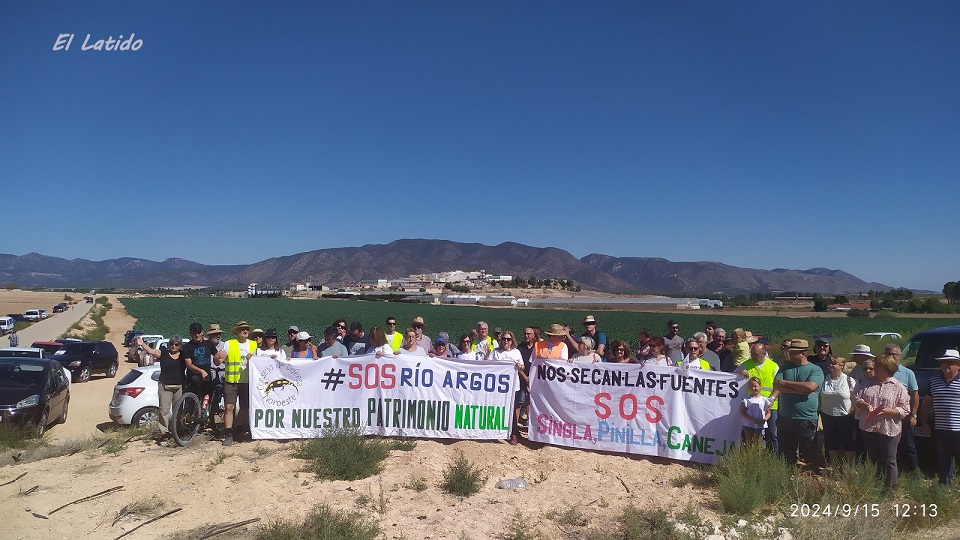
(32, 314)
(136, 399)
(881, 336)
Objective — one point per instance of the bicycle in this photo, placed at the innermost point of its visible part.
(190, 416)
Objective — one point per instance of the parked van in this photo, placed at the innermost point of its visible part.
(32, 314)
(6, 325)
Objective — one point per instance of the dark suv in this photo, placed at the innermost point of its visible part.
(84, 358)
(921, 352)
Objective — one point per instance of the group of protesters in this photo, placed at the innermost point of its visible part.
(867, 411)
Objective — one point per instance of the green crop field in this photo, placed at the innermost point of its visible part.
(173, 315)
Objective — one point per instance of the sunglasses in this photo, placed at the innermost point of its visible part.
(507, 339)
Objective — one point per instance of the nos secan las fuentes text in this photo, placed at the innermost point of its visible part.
(629, 407)
(403, 413)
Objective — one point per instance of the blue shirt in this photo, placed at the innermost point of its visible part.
(908, 378)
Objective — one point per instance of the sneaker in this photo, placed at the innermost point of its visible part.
(228, 440)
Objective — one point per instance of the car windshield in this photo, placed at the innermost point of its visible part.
(77, 348)
(921, 351)
(20, 373)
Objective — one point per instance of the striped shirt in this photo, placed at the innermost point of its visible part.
(946, 402)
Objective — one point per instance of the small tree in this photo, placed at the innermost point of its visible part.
(841, 299)
(820, 304)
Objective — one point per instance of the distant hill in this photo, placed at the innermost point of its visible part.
(348, 265)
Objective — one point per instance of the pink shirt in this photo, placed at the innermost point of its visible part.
(882, 395)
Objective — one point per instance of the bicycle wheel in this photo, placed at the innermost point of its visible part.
(185, 418)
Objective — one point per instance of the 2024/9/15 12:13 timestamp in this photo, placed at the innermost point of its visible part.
(901, 510)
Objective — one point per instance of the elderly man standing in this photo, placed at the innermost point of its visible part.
(764, 368)
(943, 399)
(705, 353)
(484, 344)
(237, 381)
(423, 340)
(860, 354)
(907, 450)
(799, 384)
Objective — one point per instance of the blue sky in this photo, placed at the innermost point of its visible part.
(758, 134)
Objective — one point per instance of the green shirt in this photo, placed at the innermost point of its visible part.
(800, 406)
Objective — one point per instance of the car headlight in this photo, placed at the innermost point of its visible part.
(31, 401)
(75, 363)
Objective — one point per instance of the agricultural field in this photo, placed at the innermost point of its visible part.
(173, 315)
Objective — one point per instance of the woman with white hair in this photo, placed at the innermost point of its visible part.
(586, 351)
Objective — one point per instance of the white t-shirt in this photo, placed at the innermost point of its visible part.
(419, 352)
(756, 408)
(471, 355)
(277, 355)
(513, 355)
(835, 395)
(588, 359)
(383, 350)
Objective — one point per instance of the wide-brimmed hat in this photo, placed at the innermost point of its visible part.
(555, 330)
(240, 326)
(256, 332)
(214, 329)
(303, 336)
(270, 333)
(753, 339)
(798, 345)
(417, 321)
(589, 320)
(950, 355)
(862, 350)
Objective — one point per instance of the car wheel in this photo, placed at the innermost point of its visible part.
(84, 374)
(63, 417)
(112, 370)
(42, 424)
(145, 416)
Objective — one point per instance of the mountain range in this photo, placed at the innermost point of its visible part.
(400, 258)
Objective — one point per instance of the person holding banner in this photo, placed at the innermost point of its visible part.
(379, 345)
(620, 352)
(554, 346)
(466, 342)
(656, 356)
(303, 348)
(410, 345)
(237, 376)
(585, 352)
(692, 359)
(271, 346)
(508, 352)
(440, 349)
(799, 385)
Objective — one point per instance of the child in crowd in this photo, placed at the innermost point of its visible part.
(755, 410)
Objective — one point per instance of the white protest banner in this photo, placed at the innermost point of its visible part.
(403, 395)
(689, 415)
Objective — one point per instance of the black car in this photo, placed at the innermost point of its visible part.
(84, 358)
(18, 317)
(60, 308)
(33, 392)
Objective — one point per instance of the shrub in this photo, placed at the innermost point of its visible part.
(322, 523)
(519, 530)
(636, 524)
(344, 454)
(750, 477)
(462, 477)
(858, 313)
